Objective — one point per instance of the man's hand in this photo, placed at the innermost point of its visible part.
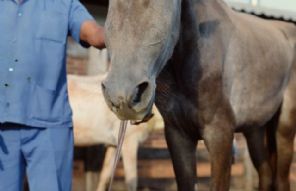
(93, 34)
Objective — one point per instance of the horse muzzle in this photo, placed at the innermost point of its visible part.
(130, 103)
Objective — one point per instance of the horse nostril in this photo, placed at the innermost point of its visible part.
(140, 89)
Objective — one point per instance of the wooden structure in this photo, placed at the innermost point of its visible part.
(265, 9)
(156, 172)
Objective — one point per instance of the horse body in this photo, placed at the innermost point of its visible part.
(216, 72)
(266, 59)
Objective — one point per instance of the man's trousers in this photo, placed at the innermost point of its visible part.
(43, 154)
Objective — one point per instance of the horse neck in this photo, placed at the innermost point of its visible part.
(197, 17)
(181, 67)
(189, 33)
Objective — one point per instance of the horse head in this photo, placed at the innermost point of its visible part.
(140, 36)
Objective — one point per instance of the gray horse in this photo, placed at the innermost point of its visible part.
(211, 72)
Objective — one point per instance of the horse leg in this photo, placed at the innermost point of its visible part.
(218, 139)
(129, 157)
(284, 144)
(285, 154)
(182, 149)
(260, 157)
(107, 169)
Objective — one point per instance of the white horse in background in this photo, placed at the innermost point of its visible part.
(95, 124)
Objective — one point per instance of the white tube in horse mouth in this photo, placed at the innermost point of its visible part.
(121, 134)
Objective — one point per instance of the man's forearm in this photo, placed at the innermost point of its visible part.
(93, 34)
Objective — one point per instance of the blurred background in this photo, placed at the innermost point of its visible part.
(154, 166)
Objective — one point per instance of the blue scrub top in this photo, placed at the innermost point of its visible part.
(33, 41)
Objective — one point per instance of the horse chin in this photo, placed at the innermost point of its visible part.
(149, 114)
(136, 117)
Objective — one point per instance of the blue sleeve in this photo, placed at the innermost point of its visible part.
(78, 14)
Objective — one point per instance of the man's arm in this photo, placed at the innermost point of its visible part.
(93, 34)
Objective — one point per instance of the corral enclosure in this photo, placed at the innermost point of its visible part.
(155, 169)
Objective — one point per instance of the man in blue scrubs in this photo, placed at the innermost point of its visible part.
(36, 135)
